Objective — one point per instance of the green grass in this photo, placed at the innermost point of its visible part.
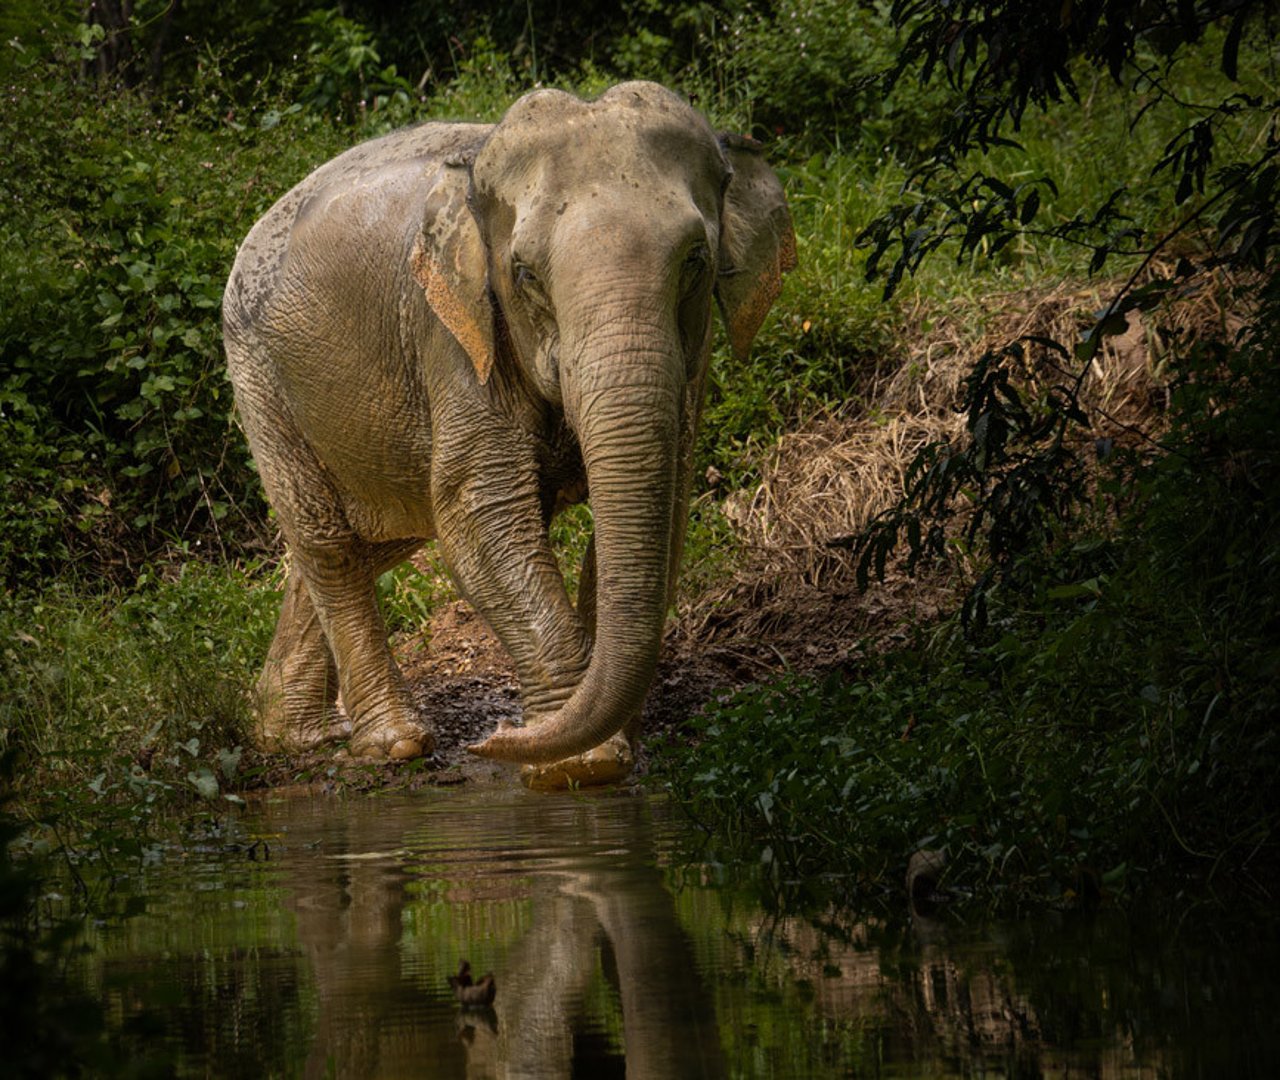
(122, 703)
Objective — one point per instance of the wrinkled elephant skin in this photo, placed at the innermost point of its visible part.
(455, 330)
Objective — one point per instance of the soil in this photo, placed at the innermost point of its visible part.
(462, 681)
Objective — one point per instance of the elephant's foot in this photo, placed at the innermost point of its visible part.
(302, 733)
(294, 721)
(608, 763)
(397, 737)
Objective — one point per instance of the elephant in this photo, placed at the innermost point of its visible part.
(454, 331)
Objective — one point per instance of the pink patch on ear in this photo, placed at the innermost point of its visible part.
(749, 314)
(452, 310)
(788, 260)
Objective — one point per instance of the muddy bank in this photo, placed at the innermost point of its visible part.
(463, 684)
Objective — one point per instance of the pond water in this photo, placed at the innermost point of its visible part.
(327, 953)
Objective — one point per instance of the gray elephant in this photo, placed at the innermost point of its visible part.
(452, 332)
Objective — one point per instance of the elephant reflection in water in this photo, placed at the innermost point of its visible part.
(378, 1015)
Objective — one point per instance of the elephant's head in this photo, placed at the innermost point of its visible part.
(584, 245)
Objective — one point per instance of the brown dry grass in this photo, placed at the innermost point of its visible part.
(793, 602)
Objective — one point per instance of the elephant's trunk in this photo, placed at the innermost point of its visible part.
(625, 404)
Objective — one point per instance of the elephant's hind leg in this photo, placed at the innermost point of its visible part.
(298, 688)
(340, 581)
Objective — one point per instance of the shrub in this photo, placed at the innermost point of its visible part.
(121, 219)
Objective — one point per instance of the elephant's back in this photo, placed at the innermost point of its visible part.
(374, 178)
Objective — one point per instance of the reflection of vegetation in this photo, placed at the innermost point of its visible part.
(839, 995)
(50, 1025)
(334, 952)
(440, 914)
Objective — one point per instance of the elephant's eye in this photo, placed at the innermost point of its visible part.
(526, 281)
(695, 266)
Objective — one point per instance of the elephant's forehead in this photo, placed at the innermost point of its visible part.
(618, 198)
(626, 100)
(578, 143)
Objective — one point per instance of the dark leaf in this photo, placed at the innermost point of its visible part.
(1048, 343)
(1231, 45)
(1185, 187)
(1029, 207)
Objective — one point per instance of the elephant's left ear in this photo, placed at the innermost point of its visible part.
(757, 245)
(450, 264)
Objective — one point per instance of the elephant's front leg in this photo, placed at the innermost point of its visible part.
(492, 534)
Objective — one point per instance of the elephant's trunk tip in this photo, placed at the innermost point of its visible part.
(539, 745)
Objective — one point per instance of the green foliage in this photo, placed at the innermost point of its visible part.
(1003, 57)
(137, 156)
(571, 533)
(1017, 469)
(711, 548)
(485, 83)
(120, 223)
(409, 596)
(1113, 720)
(125, 704)
(345, 72)
(809, 67)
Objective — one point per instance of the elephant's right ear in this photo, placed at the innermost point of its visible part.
(449, 263)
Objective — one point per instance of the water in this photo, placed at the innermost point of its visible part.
(613, 957)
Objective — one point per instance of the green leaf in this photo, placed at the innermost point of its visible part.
(203, 780)
(229, 761)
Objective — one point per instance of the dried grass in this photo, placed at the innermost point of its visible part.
(797, 592)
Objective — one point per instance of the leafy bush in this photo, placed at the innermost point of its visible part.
(1110, 727)
(121, 220)
(345, 74)
(124, 703)
(813, 67)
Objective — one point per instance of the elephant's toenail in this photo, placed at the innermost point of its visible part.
(403, 749)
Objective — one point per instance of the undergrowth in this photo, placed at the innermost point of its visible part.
(124, 705)
(1108, 728)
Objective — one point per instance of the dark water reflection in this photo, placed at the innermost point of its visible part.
(331, 958)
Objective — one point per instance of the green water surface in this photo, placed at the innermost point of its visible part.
(325, 951)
